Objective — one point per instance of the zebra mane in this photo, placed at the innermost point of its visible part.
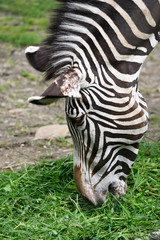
(60, 32)
(55, 21)
(58, 17)
(54, 33)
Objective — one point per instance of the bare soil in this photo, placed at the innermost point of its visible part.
(19, 120)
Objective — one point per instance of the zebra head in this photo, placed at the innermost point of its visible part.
(105, 145)
(106, 115)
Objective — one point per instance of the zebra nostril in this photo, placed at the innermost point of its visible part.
(118, 188)
(112, 188)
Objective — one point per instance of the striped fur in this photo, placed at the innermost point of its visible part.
(107, 41)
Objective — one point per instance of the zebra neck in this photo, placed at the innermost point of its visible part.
(101, 35)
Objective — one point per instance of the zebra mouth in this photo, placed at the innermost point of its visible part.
(93, 197)
(96, 201)
(118, 188)
(96, 198)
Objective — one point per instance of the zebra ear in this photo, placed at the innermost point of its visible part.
(38, 57)
(66, 85)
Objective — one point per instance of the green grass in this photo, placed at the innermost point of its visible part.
(42, 203)
(24, 22)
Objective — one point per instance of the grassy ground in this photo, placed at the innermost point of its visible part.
(23, 22)
(42, 203)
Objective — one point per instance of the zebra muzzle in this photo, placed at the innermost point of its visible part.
(118, 188)
(86, 189)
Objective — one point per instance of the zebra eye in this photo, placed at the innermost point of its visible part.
(78, 120)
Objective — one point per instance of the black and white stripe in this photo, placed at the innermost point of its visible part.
(108, 41)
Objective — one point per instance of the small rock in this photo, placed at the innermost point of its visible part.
(16, 110)
(52, 131)
(20, 101)
(153, 236)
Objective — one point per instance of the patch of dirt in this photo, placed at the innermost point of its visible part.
(19, 120)
(149, 85)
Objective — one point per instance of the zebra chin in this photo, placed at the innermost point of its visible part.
(94, 195)
(86, 189)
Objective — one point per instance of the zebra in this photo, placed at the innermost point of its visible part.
(94, 53)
